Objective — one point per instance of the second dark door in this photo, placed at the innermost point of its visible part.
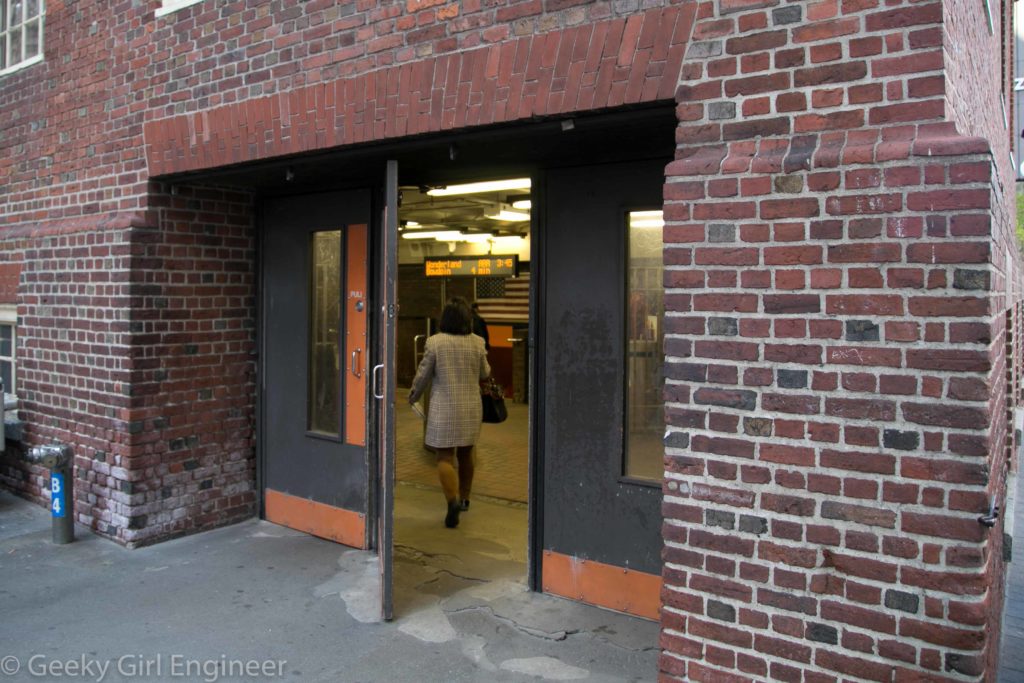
(315, 364)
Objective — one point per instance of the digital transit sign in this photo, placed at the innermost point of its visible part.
(504, 266)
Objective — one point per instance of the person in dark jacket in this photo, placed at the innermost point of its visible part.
(480, 326)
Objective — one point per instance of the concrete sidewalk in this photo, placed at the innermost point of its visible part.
(1011, 651)
(255, 594)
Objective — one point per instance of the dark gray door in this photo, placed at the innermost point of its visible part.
(384, 387)
(315, 379)
(593, 509)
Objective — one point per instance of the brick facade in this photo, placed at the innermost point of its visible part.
(840, 263)
(136, 346)
(839, 401)
(607, 64)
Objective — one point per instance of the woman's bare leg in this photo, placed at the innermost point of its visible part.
(446, 473)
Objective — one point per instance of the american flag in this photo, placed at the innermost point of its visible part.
(503, 301)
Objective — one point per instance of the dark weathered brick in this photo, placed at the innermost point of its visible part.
(677, 439)
(822, 633)
(971, 279)
(900, 440)
(861, 330)
(787, 15)
(753, 525)
(903, 601)
(723, 326)
(725, 520)
(757, 426)
(721, 611)
(792, 379)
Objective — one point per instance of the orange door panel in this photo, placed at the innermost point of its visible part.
(355, 336)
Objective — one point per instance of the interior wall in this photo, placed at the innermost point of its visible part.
(414, 251)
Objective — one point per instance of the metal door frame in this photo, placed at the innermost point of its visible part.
(537, 360)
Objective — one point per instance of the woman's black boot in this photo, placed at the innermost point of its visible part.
(451, 520)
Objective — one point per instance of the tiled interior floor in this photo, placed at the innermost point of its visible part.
(501, 454)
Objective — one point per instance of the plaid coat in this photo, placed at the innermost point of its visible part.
(456, 363)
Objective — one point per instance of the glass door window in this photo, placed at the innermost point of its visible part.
(645, 314)
(324, 320)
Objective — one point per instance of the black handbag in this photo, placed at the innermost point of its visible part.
(493, 402)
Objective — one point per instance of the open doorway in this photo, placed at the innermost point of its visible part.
(470, 240)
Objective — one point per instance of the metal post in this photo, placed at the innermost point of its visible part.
(58, 458)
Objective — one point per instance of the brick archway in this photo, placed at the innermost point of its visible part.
(585, 68)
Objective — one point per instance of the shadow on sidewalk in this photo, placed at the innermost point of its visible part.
(258, 594)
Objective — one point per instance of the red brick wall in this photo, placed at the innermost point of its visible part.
(9, 275)
(239, 51)
(607, 64)
(72, 124)
(74, 354)
(837, 284)
(976, 83)
(191, 463)
(136, 346)
(839, 249)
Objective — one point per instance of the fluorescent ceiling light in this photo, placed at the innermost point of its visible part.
(522, 204)
(447, 236)
(439, 235)
(507, 215)
(411, 224)
(474, 237)
(476, 188)
(507, 239)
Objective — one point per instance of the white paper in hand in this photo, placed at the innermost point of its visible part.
(417, 408)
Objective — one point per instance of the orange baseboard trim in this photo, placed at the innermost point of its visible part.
(604, 585)
(334, 524)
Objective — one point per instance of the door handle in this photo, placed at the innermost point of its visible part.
(354, 368)
(376, 370)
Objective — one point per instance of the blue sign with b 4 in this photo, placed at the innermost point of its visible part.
(58, 500)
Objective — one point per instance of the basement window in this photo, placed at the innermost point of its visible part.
(21, 34)
(8, 348)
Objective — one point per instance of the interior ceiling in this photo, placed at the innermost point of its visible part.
(485, 152)
(462, 212)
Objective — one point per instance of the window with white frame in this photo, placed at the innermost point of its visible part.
(21, 33)
(8, 347)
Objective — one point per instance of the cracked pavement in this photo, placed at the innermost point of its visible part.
(258, 592)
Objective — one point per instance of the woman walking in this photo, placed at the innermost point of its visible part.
(456, 361)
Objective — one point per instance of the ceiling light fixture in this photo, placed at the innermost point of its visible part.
(439, 235)
(504, 214)
(507, 239)
(476, 188)
(475, 237)
(522, 204)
